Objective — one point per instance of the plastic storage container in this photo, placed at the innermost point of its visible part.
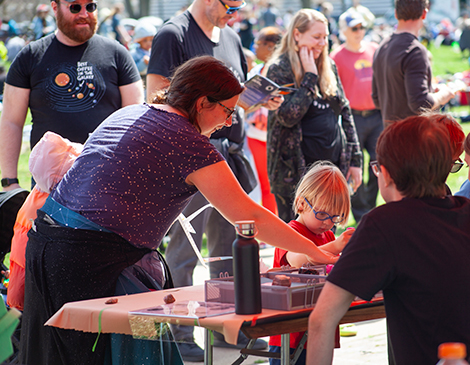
(303, 292)
(452, 353)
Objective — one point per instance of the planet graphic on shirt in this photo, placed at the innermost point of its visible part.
(62, 79)
(70, 88)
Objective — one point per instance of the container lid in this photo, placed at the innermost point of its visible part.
(452, 350)
(245, 228)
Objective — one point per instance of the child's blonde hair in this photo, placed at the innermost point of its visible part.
(326, 189)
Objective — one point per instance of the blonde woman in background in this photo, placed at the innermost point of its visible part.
(314, 122)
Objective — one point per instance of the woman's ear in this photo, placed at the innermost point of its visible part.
(296, 35)
(200, 103)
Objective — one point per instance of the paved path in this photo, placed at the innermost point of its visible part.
(369, 346)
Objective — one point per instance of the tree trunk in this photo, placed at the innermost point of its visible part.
(144, 6)
(130, 10)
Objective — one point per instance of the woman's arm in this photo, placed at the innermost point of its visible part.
(220, 187)
(335, 247)
(296, 259)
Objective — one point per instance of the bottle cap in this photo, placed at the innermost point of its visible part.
(452, 350)
(245, 228)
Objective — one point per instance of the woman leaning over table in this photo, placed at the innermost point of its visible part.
(314, 122)
(136, 174)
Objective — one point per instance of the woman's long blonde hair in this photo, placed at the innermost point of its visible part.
(302, 21)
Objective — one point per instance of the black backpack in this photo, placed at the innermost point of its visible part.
(10, 203)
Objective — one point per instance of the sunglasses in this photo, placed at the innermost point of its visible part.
(357, 28)
(232, 9)
(456, 166)
(76, 8)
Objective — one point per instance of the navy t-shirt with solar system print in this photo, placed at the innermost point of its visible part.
(73, 89)
(130, 177)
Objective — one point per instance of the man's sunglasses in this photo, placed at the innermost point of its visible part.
(232, 9)
(357, 28)
(76, 8)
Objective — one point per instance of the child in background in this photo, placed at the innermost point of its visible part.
(321, 201)
(49, 161)
(250, 59)
(143, 36)
(256, 133)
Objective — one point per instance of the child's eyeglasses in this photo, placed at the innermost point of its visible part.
(232, 9)
(456, 166)
(228, 111)
(323, 216)
(76, 8)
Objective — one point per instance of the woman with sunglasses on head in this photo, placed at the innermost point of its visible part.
(136, 174)
(321, 201)
(314, 122)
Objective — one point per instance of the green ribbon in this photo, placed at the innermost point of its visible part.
(99, 329)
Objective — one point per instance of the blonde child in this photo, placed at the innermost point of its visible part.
(321, 201)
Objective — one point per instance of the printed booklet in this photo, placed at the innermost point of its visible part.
(258, 90)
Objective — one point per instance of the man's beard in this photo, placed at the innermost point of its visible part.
(79, 35)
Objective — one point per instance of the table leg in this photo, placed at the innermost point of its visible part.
(208, 354)
(285, 349)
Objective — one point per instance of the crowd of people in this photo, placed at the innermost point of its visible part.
(162, 135)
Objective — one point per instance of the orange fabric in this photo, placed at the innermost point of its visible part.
(15, 293)
(24, 219)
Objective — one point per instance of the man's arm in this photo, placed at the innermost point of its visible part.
(15, 107)
(442, 96)
(323, 321)
(416, 79)
(155, 83)
(132, 93)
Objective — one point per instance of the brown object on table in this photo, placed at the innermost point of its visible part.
(281, 280)
(169, 299)
(111, 301)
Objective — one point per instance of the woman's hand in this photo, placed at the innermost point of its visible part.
(308, 60)
(274, 103)
(356, 174)
(322, 257)
(343, 239)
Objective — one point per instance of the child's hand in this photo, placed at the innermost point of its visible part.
(344, 238)
(5, 273)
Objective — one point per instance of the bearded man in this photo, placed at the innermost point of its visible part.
(71, 81)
